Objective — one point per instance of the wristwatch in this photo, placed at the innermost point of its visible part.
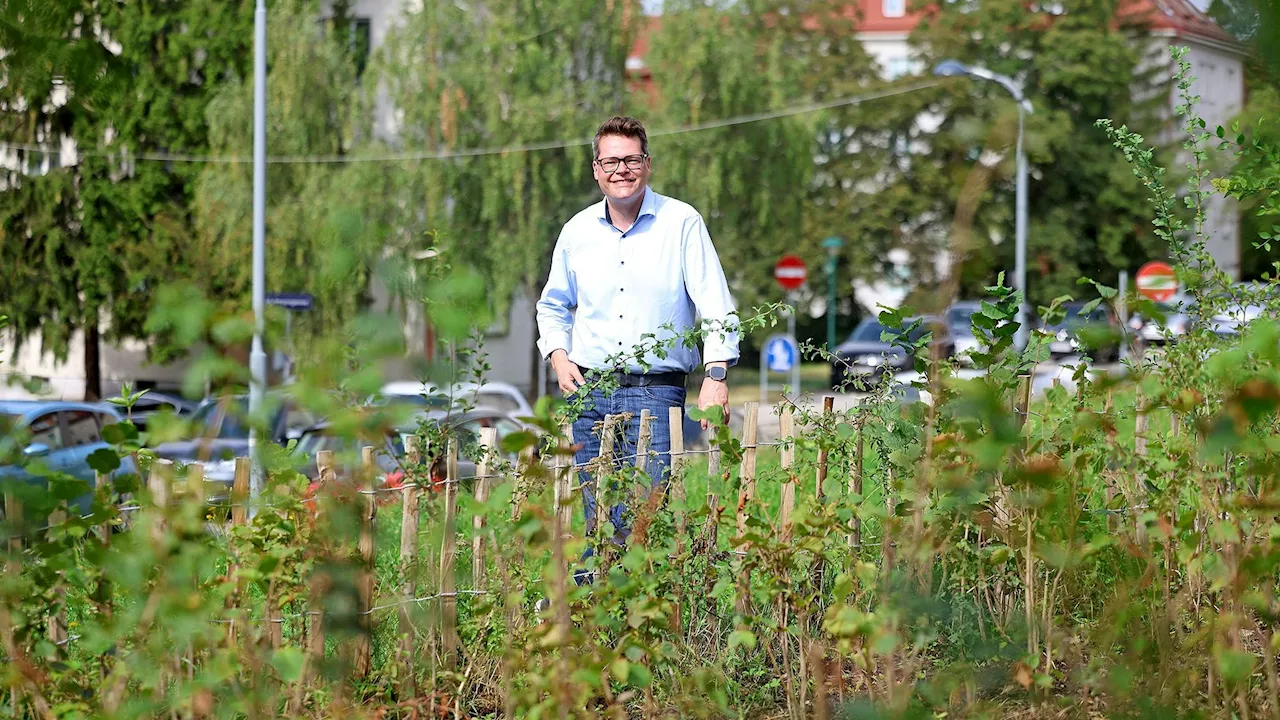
(717, 373)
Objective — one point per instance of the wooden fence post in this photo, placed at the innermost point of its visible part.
(603, 469)
(58, 620)
(240, 492)
(675, 480)
(713, 500)
(102, 593)
(564, 481)
(448, 556)
(368, 510)
(318, 585)
(410, 513)
(828, 405)
(855, 484)
(644, 438)
(160, 483)
(747, 489)
(786, 432)
(239, 516)
(488, 446)
(746, 494)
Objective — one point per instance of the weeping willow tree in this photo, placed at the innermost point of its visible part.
(757, 183)
(317, 240)
(464, 75)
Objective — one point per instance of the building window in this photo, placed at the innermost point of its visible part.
(895, 8)
(360, 43)
(896, 67)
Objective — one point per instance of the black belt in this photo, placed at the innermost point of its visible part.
(626, 379)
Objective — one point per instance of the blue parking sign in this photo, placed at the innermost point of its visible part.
(781, 353)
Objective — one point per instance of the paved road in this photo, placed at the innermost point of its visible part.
(1041, 381)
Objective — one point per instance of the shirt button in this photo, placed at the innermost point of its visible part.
(619, 344)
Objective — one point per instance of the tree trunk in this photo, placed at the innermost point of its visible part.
(92, 363)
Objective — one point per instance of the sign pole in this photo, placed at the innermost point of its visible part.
(764, 373)
(791, 331)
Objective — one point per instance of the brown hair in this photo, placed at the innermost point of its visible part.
(623, 127)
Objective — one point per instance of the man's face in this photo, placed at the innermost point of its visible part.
(628, 180)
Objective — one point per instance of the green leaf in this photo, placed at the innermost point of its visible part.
(620, 668)
(287, 662)
(104, 460)
(745, 638)
(518, 441)
(119, 433)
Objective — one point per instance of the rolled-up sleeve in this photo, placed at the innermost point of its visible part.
(705, 282)
(554, 310)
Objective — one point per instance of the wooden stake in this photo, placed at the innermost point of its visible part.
(488, 445)
(605, 466)
(713, 501)
(58, 620)
(320, 581)
(747, 490)
(239, 515)
(160, 483)
(102, 593)
(240, 492)
(644, 438)
(855, 484)
(369, 508)
(675, 481)
(564, 481)
(448, 556)
(828, 405)
(409, 515)
(786, 431)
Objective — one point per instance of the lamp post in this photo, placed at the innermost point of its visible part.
(948, 68)
(833, 245)
(258, 358)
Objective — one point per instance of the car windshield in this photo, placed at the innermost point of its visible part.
(233, 421)
(870, 331)
(960, 317)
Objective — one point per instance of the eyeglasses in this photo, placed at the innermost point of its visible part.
(610, 165)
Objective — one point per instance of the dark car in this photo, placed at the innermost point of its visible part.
(390, 453)
(222, 433)
(154, 403)
(61, 435)
(864, 358)
(1095, 333)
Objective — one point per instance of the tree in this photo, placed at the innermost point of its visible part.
(87, 244)
(465, 75)
(317, 240)
(1078, 62)
(756, 182)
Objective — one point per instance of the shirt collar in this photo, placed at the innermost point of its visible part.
(648, 206)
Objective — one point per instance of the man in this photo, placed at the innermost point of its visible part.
(624, 267)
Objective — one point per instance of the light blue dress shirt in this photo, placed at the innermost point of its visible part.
(608, 288)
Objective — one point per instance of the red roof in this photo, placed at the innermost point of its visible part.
(1179, 16)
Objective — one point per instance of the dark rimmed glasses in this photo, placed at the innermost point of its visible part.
(611, 165)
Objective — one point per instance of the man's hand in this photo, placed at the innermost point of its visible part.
(568, 376)
(714, 393)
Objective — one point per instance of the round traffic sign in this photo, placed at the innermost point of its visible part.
(1157, 281)
(790, 272)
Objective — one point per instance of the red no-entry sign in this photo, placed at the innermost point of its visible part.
(790, 272)
(1157, 281)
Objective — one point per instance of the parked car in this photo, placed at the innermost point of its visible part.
(61, 435)
(1096, 334)
(864, 358)
(465, 427)
(222, 433)
(496, 395)
(1177, 313)
(959, 318)
(154, 403)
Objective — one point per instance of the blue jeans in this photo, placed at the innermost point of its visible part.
(658, 400)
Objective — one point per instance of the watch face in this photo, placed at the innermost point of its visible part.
(716, 373)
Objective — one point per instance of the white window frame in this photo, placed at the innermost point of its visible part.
(894, 8)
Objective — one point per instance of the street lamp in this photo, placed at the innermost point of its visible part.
(949, 68)
(258, 358)
(833, 245)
